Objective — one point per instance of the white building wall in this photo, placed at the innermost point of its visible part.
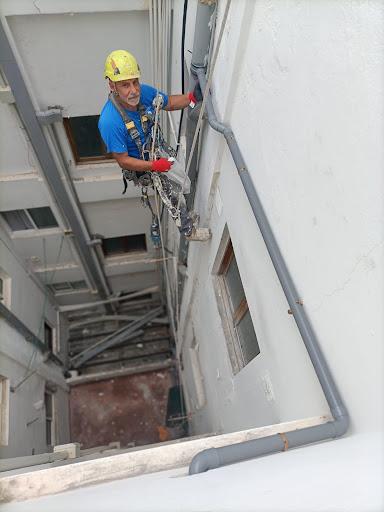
(305, 102)
(300, 84)
(19, 358)
(43, 38)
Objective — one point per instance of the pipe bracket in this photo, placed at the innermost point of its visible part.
(195, 68)
(286, 444)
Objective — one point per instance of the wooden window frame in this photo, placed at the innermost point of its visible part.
(72, 142)
(230, 318)
(227, 260)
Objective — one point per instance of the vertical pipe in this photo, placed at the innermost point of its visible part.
(199, 60)
(150, 8)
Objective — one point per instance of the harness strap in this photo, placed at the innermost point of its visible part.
(130, 125)
(133, 132)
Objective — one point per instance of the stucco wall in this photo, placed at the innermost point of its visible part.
(27, 434)
(19, 357)
(305, 101)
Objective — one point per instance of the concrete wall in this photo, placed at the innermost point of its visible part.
(305, 101)
(55, 76)
(19, 357)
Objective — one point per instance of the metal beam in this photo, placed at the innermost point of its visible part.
(145, 357)
(114, 318)
(117, 337)
(27, 112)
(88, 305)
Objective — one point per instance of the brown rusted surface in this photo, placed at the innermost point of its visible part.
(126, 409)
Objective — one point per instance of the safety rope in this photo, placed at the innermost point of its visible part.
(175, 328)
(158, 190)
(205, 97)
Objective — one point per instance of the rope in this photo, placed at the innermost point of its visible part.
(199, 121)
(174, 327)
(158, 184)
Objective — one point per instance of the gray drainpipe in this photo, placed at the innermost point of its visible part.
(199, 61)
(216, 457)
(29, 116)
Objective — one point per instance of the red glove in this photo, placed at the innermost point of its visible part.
(192, 99)
(196, 95)
(162, 165)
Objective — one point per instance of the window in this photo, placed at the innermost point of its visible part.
(4, 410)
(124, 244)
(85, 139)
(49, 424)
(68, 287)
(5, 289)
(32, 218)
(234, 307)
(48, 336)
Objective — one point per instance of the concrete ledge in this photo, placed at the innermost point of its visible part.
(144, 460)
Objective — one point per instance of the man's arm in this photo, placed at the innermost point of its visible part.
(135, 164)
(177, 102)
(132, 164)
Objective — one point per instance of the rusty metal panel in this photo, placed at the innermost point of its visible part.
(126, 409)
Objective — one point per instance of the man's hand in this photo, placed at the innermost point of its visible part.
(159, 99)
(196, 95)
(162, 165)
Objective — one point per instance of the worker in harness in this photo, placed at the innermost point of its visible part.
(125, 125)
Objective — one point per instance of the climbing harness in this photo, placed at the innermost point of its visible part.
(130, 125)
(155, 147)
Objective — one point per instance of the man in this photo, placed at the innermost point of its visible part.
(125, 129)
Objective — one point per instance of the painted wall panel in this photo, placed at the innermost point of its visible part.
(304, 100)
(76, 81)
(27, 429)
(16, 157)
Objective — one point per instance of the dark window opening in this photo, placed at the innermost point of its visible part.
(85, 139)
(48, 336)
(48, 402)
(43, 217)
(17, 220)
(32, 218)
(68, 286)
(124, 244)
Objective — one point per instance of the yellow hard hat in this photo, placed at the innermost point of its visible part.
(121, 65)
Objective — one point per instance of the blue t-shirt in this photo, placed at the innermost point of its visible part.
(112, 128)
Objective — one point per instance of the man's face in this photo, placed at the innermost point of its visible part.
(129, 90)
